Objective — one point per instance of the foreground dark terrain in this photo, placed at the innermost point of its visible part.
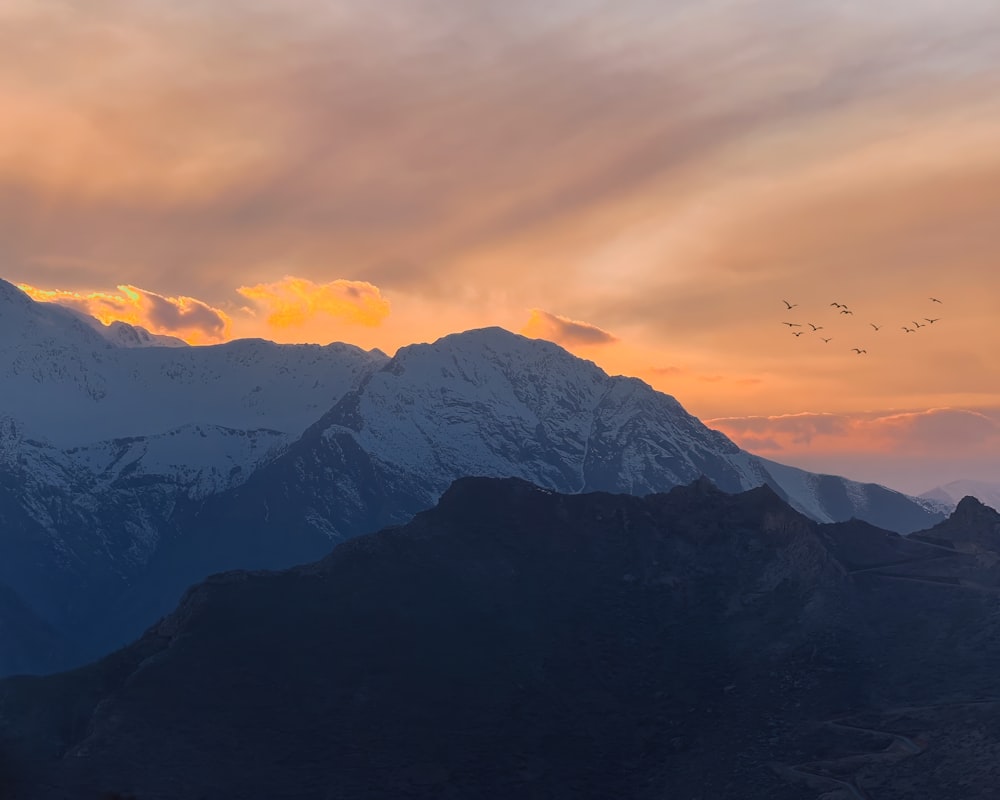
(513, 642)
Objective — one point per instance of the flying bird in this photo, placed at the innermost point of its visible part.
(827, 340)
(797, 333)
(789, 306)
(908, 330)
(838, 305)
(918, 325)
(815, 327)
(792, 324)
(859, 350)
(935, 300)
(876, 327)
(846, 310)
(932, 321)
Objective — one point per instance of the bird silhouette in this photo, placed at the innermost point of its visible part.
(792, 324)
(838, 305)
(908, 330)
(815, 327)
(789, 306)
(935, 300)
(876, 327)
(932, 321)
(918, 325)
(859, 350)
(827, 340)
(797, 333)
(846, 311)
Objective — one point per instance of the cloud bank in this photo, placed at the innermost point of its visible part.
(295, 301)
(185, 317)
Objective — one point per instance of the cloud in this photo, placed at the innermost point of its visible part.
(295, 301)
(565, 331)
(186, 317)
(240, 133)
(945, 432)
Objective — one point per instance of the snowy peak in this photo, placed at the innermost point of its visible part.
(26, 324)
(489, 402)
(11, 295)
(971, 510)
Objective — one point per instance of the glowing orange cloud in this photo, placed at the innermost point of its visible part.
(294, 301)
(185, 317)
(565, 331)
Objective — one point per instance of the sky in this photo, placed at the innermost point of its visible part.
(645, 182)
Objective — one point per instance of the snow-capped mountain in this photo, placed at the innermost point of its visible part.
(70, 385)
(950, 494)
(492, 403)
(127, 473)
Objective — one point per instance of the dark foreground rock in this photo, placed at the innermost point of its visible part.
(513, 642)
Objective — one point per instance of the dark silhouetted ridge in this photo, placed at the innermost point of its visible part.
(513, 641)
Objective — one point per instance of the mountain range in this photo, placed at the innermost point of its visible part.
(950, 494)
(517, 642)
(130, 470)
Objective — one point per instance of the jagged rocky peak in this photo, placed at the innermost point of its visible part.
(971, 509)
(971, 526)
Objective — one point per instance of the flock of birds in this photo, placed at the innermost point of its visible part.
(842, 309)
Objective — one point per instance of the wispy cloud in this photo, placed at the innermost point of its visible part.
(545, 325)
(945, 431)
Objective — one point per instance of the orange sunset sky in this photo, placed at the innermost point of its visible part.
(642, 181)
